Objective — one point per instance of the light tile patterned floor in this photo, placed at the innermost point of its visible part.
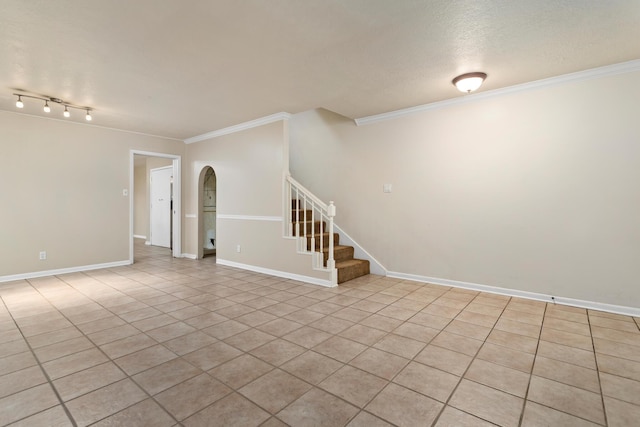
(170, 342)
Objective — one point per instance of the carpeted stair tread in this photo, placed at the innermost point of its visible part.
(340, 253)
(350, 269)
(350, 262)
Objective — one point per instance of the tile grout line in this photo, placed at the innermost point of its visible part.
(389, 381)
(127, 376)
(334, 334)
(44, 372)
(157, 343)
(533, 365)
(160, 343)
(560, 382)
(205, 372)
(313, 386)
(359, 410)
(595, 357)
(446, 403)
(387, 333)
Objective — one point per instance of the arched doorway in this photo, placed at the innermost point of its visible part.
(207, 218)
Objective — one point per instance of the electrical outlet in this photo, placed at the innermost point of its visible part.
(43, 255)
(238, 248)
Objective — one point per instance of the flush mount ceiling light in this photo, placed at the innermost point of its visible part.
(47, 107)
(469, 82)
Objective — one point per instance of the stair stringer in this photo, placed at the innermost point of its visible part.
(359, 252)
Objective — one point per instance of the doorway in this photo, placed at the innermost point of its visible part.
(207, 185)
(160, 206)
(140, 165)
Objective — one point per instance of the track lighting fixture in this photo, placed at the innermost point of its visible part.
(47, 107)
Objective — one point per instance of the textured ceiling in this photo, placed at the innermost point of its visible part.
(184, 68)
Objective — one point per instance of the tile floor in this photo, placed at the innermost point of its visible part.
(169, 342)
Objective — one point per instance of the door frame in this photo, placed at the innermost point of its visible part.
(176, 195)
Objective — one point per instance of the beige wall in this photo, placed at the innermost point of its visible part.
(535, 191)
(61, 187)
(249, 167)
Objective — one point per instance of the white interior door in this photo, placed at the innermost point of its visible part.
(160, 209)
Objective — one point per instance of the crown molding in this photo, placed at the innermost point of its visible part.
(609, 70)
(239, 127)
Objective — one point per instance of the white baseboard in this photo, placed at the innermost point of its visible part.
(59, 271)
(190, 256)
(374, 266)
(139, 236)
(277, 273)
(592, 305)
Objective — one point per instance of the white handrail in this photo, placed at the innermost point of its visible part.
(305, 227)
(307, 193)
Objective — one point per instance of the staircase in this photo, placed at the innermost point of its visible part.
(317, 238)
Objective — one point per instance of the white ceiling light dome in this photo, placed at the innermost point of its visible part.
(469, 82)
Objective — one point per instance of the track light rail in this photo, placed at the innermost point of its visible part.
(48, 99)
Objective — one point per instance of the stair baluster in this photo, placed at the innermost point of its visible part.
(331, 213)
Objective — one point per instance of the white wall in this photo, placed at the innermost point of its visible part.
(61, 189)
(535, 191)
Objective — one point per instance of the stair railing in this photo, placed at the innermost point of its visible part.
(305, 220)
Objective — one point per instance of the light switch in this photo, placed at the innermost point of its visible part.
(386, 188)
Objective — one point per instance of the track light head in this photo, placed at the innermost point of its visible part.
(19, 102)
(88, 116)
(66, 112)
(46, 108)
